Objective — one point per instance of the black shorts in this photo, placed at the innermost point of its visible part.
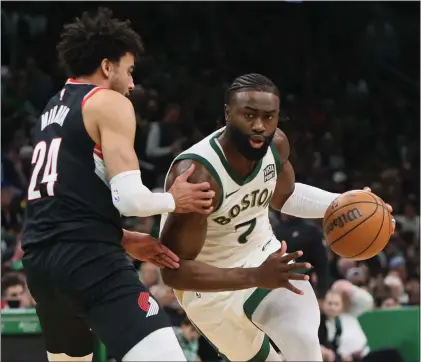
(87, 289)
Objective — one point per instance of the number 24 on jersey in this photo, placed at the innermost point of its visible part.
(50, 168)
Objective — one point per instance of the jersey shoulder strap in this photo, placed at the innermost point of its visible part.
(203, 153)
(276, 157)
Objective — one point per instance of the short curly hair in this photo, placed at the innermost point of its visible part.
(94, 37)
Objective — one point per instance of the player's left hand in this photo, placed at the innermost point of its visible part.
(389, 207)
(146, 248)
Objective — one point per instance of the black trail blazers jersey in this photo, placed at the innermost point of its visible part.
(69, 197)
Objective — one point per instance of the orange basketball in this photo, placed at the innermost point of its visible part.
(357, 225)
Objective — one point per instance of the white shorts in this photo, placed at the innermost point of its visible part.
(225, 317)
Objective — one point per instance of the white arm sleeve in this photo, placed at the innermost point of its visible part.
(132, 198)
(308, 202)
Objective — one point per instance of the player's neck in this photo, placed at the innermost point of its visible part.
(95, 79)
(237, 161)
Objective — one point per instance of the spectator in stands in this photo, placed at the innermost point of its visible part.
(413, 290)
(358, 276)
(166, 299)
(188, 337)
(8, 247)
(397, 266)
(380, 39)
(164, 140)
(358, 300)
(396, 288)
(149, 274)
(14, 292)
(302, 235)
(343, 265)
(329, 335)
(39, 85)
(147, 167)
(409, 220)
(345, 337)
(11, 211)
(143, 224)
(13, 170)
(390, 303)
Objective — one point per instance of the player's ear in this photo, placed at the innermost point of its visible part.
(226, 112)
(106, 67)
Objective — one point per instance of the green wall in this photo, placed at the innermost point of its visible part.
(399, 328)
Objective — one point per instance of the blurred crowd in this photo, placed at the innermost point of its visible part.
(349, 80)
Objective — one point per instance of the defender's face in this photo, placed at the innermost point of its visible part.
(120, 77)
(252, 118)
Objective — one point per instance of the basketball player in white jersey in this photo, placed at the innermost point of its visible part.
(234, 279)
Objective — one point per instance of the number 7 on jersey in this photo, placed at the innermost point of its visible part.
(248, 227)
(50, 168)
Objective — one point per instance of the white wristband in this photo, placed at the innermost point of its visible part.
(132, 198)
(308, 202)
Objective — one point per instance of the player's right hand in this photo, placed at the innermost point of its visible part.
(190, 197)
(276, 272)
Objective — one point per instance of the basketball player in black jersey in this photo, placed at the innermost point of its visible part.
(85, 174)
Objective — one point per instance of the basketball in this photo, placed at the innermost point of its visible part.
(357, 225)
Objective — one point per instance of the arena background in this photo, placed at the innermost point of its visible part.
(349, 80)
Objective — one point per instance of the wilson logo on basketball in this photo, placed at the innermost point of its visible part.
(343, 219)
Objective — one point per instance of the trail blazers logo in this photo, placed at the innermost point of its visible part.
(269, 172)
(148, 304)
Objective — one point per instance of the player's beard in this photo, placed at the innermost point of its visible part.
(241, 142)
(120, 87)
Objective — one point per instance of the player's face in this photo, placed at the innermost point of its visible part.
(120, 76)
(252, 119)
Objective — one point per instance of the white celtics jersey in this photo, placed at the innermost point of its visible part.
(240, 223)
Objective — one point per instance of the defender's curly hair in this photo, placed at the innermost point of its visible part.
(252, 81)
(94, 37)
